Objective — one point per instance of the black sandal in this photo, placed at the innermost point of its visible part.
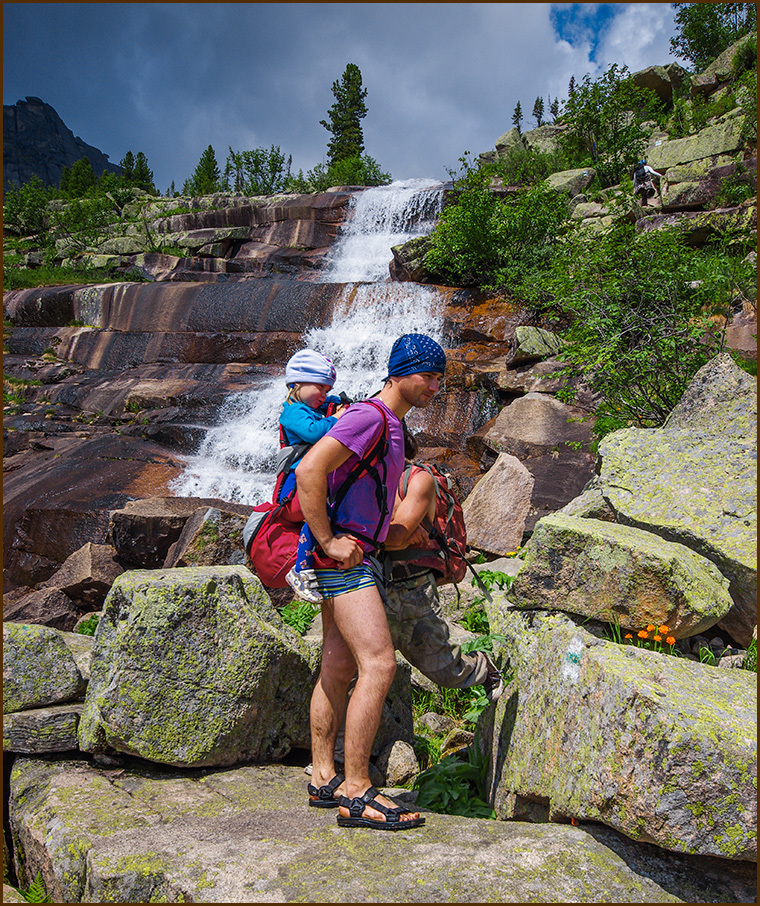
(323, 797)
(392, 820)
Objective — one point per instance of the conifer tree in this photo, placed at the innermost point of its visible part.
(344, 116)
(77, 180)
(142, 176)
(206, 178)
(517, 116)
(554, 109)
(538, 110)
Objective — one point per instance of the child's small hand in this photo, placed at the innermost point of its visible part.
(341, 410)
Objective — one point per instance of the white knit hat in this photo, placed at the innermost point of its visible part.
(309, 367)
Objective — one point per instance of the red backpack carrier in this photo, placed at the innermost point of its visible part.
(446, 549)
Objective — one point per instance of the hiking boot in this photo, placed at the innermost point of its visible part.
(494, 682)
(304, 584)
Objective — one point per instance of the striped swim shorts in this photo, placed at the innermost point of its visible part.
(334, 582)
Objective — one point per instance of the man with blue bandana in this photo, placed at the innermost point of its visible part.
(356, 639)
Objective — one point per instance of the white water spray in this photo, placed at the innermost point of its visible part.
(236, 460)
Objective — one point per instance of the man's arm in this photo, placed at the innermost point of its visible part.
(324, 457)
(405, 529)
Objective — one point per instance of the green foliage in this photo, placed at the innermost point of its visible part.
(88, 626)
(604, 119)
(746, 98)
(750, 659)
(15, 277)
(78, 180)
(206, 178)
(734, 189)
(485, 242)
(82, 222)
(299, 615)
(525, 166)
(35, 892)
(705, 30)
(455, 787)
(344, 116)
(25, 208)
(351, 171)
(257, 172)
(639, 330)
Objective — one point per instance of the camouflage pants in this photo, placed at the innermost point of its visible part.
(420, 632)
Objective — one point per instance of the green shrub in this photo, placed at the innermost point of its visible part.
(25, 207)
(525, 166)
(638, 328)
(485, 242)
(299, 615)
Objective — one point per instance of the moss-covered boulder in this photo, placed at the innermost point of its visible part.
(572, 182)
(39, 668)
(532, 343)
(141, 834)
(40, 731)
(694, 481)
(724, 137)
(618, 574)
(195, 667)
(661, 748)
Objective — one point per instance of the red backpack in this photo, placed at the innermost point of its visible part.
(446, 549)
(270, 536)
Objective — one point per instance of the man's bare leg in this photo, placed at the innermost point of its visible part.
(360, 618)
(328, 701)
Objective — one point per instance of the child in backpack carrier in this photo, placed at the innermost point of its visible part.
(308, 413)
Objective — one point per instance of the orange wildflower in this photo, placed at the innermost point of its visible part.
(628, 635)
(670, 640)
(642, 633)
(650, 628)
(663, 629)
(657, 638)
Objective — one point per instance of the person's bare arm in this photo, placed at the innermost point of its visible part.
(405, 529)
(311, 478)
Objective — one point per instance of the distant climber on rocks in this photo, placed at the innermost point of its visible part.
(646, 183)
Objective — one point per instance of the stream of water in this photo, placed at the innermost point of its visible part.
(236, 460)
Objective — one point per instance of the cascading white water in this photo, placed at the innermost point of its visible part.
(382, 217)
(236, 460)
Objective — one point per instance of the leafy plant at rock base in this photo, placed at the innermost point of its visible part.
(485, 242)
(750, 659)
(35, 892)
(88, 626)
(639, 327)
(604, 119)
(299, 615)
(455, 787)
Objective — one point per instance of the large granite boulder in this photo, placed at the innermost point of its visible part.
(617, 574)
(661, 748)
(662, 80)
(42, 666)
(694, 480)
(723, 137)
(496, 508)
(87, 575)
(139, 834)
(209, 537)
(535, 424)
(194, 667)
(571, 182)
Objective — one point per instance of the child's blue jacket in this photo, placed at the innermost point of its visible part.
(302, 424)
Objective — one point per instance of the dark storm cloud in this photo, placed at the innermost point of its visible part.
(442, 78)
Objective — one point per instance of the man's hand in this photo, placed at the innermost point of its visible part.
(345, 550)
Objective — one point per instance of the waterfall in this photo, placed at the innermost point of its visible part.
(236, 460)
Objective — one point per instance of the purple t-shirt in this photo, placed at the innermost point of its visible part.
(358, 429)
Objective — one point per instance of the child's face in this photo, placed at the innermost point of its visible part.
(313, 394)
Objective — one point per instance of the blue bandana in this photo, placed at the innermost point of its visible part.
(413, 353)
